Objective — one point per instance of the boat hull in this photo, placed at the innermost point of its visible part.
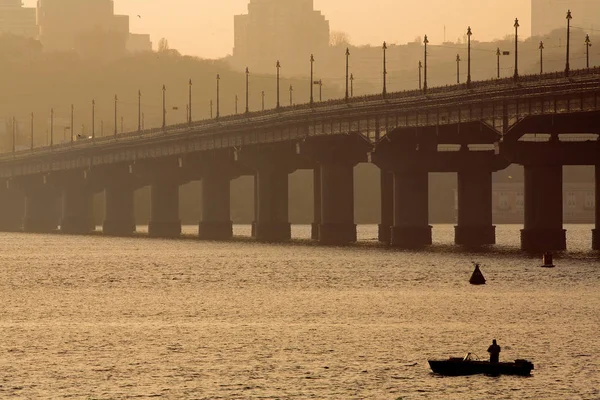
(460, 367)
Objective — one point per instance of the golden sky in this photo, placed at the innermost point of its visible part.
(205, 28)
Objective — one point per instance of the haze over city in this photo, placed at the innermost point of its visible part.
(300, 199)
(197, 28)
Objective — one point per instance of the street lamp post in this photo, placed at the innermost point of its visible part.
(32, 131)
(262, 94)
(425, 41)
(347, 70)
(541, 57)
(236, 104)
(116, 100)
(247, 87)
(14, 134)
(312, 61)
(458, 60)
(498, 53)
(569, 18)
(516, 49)
(164, 104)
(291, 95)
(278, 66)
(384, 71)
(93, 119)
(588, 44)
(351, 85)
(51, 127)
(139, 110)
(190, 102)
(218, 80)
(72, 113)
(320, 90)
(469, 33)
(420, 69)
(211, 108)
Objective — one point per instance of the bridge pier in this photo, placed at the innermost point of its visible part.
(11, 210)
(337, 204)
(41, 208)
(336, 157)
(216, 205)
(164, 197)
(387, 206)
(314, 234)
(596, 232)
(272, 220)
(77, 206)
(475, 226)
(411, 208)
(543, 230)
(119, 208)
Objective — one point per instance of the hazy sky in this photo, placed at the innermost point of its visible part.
(198, 28)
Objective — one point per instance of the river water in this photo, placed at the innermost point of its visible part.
(107, 318)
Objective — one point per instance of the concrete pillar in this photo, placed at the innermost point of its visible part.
(77, 208)
(337, 204)
(543, 229)
(272, 220)
(216, 206)
(387, 206)
(253, 232)
(164, 197)
(596, 232)
(11, 210)
(314, 234)
(475, 226)
(41, 210)
(411, 209)
(119, 215)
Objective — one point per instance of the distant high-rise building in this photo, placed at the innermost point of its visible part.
(63, 23)
(285, 30)
(89, 27)
(548, 15)
(139, 43)
(16, 19)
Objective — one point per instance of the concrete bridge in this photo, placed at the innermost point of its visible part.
(537, 122)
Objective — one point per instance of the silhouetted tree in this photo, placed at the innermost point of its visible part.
(339, 38)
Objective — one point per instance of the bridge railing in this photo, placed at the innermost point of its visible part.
(286, 111)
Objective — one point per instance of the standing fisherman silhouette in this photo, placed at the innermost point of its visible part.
(494, 351)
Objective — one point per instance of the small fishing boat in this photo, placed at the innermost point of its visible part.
(460, 366)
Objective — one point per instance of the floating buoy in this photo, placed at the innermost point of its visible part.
(477, 277)
(547, 261)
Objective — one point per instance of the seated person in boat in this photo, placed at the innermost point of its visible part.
(494, 351)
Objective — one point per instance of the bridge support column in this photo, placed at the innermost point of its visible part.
(337, 204)
(475, 226)
(253, 232)
(272, 220)
(164, 197)
(119, 209)
(596, 232)
(216, 206)
(11, 210)
(387, 206)
(543, 229)
(41, 209)
(411, 209)
(77, 208)
(314, 234)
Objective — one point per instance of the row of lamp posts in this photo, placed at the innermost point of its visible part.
(349, 82)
